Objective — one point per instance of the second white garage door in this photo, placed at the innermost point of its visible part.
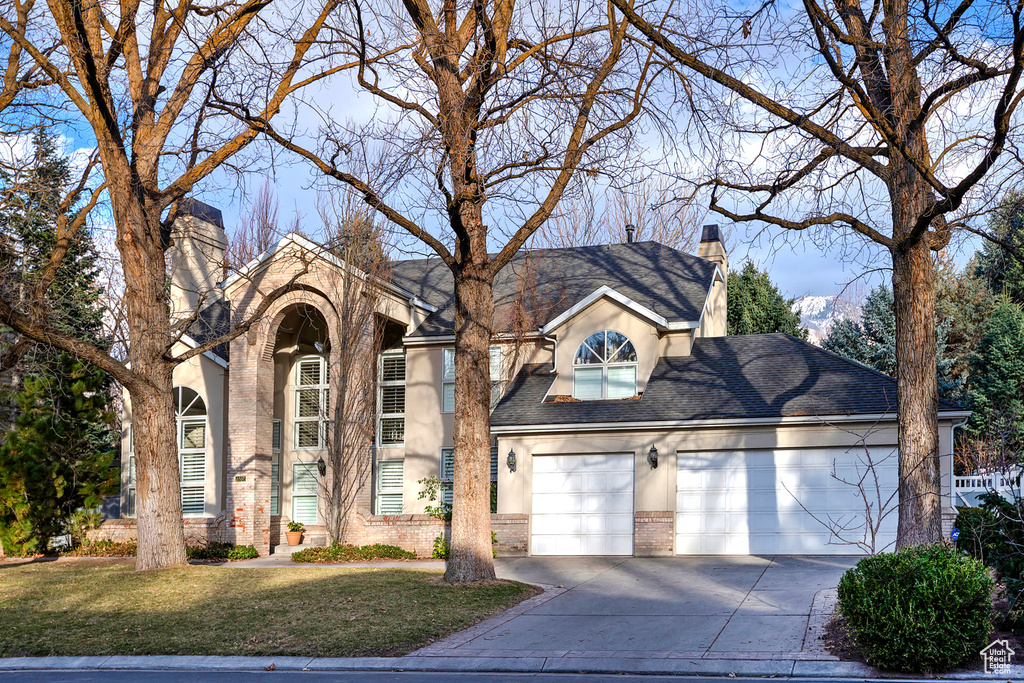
(582, 505)
(767, 502)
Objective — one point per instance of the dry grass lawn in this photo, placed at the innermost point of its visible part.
(103, 607)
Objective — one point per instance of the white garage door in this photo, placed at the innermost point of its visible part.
(765, 502)
(582, 505)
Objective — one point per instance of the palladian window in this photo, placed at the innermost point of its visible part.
(605, 366)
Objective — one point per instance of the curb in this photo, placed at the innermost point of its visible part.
(732, 668)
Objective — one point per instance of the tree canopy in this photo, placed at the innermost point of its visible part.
(756, 306)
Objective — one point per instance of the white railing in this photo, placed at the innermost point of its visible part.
(968, 487)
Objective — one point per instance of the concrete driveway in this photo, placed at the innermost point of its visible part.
(674, 606)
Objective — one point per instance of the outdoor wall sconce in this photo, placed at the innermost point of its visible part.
(652, 457)
(322, 466)
(511, 460)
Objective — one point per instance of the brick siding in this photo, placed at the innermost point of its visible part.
(653, 533)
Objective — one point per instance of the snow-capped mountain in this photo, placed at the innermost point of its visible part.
(819, 313)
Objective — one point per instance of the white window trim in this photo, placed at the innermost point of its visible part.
(324, 387)
(315, 495)
(380, 399)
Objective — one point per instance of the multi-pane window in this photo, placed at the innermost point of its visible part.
(275, 470)
(190, 437)
(448, 471)
(130, 503)
(448, 381)
(192, 460)
(605, 366)
(448, 378)
(390, 487)
(391, 388)
(305, 491)
(311, 403)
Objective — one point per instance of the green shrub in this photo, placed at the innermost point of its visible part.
(221, 551)
(336, 552)
(924, 608)
(978, 532)
(295, 526)
(441, 549)
(103, 549)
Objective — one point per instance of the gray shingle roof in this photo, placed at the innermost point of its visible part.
(737, 377)
(550, 281)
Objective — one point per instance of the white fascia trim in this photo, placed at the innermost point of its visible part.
(694, 424)
(192, 343)
(320, 251)
(605, 291)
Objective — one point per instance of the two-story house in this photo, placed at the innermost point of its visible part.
(625, 421)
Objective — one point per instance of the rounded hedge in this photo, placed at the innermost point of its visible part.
(920, 609)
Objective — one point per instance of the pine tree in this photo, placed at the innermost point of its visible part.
(1003, 271)
(756, 306)
(872, 340)
(56, 456)
(996, 391)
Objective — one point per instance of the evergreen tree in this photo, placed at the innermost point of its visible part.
(756, 306)
(56, 456)
(996, 391)
(1000, 268)
(872, 340)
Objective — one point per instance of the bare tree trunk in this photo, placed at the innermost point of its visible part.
(920, 512)
(161, 535)
(471, 558)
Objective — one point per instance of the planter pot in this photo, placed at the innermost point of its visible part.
(294, 537)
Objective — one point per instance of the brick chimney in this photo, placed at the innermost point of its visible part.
(197, 249)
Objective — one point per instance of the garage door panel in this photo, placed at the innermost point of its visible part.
(754, 501)
(595, 518)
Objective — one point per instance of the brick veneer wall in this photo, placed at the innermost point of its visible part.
(652, 533)
(415, 533)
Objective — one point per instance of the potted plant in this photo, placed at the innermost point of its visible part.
(294, 533)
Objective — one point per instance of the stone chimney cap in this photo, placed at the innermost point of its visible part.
(711, 233)
(194, 207)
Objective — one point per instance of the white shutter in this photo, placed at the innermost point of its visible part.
(304, 493)
(622, 381)
(309, 372)
(275, 482)
(390, 487)
(448, 397)
(587, 383)
(193, 434)
(193, 467)
(447, 464)
(392, 400)
(392, 368)
(193, 501)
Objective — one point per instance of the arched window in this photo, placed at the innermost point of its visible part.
(604, 367)
(190, 411)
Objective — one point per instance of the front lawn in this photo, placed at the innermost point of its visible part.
(103, 607)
